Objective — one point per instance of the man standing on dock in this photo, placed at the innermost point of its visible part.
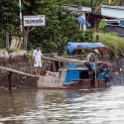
(37, 56)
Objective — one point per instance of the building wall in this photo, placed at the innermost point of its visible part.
(79, 9)
(84, 27)
(115, 22)
(113, 11)
(118, 29)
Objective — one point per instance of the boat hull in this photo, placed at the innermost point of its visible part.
(50, 82)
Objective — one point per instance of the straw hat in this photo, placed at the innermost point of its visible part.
(96, 51)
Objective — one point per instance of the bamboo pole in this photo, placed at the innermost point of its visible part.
(7, 41)
(54, 66)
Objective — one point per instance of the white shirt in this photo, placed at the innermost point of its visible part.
(37, 55)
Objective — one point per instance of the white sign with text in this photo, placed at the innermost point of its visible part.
(33, 20)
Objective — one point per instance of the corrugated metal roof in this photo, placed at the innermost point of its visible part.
(113, 7)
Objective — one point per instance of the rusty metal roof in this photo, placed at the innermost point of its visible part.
(100, 16)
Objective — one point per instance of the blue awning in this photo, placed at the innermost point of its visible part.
(71, 46)
(82, 21)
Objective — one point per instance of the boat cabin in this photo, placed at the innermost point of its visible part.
(78, 72)
(81, 74)
(74, 72)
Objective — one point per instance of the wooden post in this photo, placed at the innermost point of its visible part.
(10, 81)
(20, 43)
(105, 83)
(59, 64)
(25, 40)
(97, 38)
(54, 66)
(98, 83)
(96, 80)
(7, 41)
(118, 66)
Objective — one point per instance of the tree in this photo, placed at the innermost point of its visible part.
(60, 23)
(60, 27)
(93, 3)
(9, 19)
(9, 12)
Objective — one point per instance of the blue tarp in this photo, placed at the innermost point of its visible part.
(82, 21)
(71, 46)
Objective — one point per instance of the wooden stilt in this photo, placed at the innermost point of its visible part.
(96, 80)
(7, 41)
(54, 66)
(9, 75)
(59, 64)
(97, 38)
(10, 81)
(105, 83)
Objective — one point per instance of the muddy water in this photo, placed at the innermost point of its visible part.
(63, 107)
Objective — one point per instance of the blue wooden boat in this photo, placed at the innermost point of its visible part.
(78, 76)
(75, 76)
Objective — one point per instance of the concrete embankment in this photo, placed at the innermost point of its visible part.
(20, 61)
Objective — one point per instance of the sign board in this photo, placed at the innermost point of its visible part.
(33, 20)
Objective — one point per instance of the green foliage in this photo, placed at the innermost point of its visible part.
(102, 24)
(8, 13)
(60, 26)
(2, 39)
(94, 3)
(15, 49)
(113, 42)
(9, 19)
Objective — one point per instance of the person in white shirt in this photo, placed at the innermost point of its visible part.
(37, 56)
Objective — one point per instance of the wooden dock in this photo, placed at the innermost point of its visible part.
(11, 71)
(56, 62)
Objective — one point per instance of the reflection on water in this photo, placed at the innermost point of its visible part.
(63, 107)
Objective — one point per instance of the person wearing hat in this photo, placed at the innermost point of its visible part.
(37, 56)
(91, 56)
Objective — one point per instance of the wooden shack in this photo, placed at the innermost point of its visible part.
(94, 19)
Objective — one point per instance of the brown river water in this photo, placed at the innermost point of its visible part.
(105, 106)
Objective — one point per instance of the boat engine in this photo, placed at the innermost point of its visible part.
(103, 73)
(91, 72)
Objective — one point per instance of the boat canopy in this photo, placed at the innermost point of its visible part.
(71, 46)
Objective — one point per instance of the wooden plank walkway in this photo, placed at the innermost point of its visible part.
(9, 75)
(16, 71)
(62, 59)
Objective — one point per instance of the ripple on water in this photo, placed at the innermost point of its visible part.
(58, 107)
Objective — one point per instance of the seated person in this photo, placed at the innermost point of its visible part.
(90, 70)
(49, 73)
(91, 56)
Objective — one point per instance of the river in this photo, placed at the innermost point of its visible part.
(33, 106)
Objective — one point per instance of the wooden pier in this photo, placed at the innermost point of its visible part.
(57, 62)
(54, 63)
(10, 74)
